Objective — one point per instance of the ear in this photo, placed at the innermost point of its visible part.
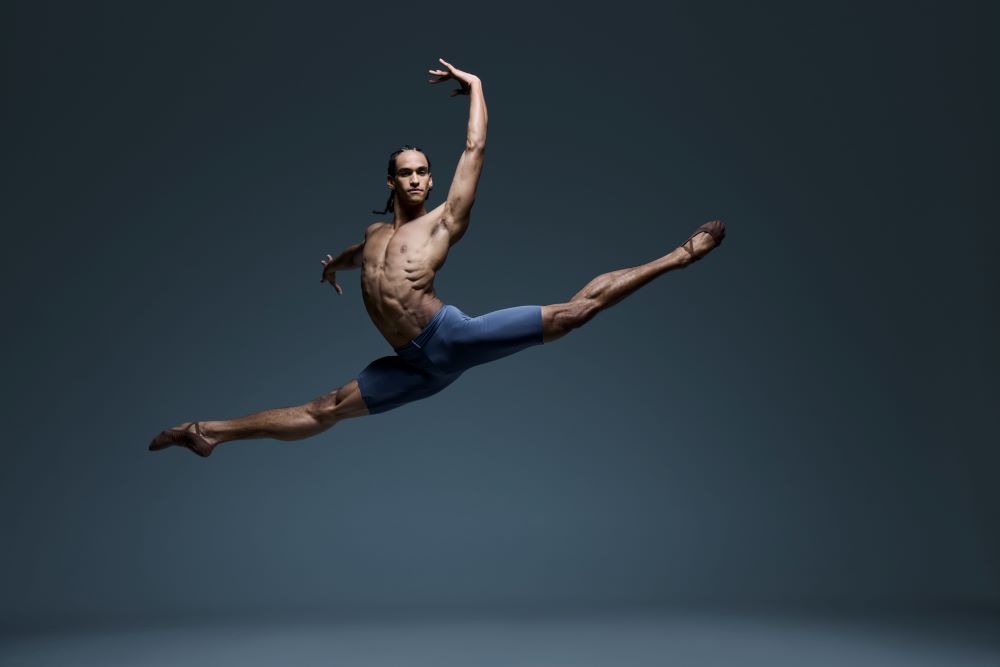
(392, 183)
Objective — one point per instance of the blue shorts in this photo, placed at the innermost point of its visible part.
(451, 343)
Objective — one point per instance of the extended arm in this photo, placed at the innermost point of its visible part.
(462, 194)
(349, 259)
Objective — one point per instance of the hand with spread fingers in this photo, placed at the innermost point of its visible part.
(464, 78)
(329, 274)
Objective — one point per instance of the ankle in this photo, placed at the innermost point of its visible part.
(679, 258)
(210, 430)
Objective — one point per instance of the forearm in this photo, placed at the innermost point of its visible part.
(476, 135)
(350, 258)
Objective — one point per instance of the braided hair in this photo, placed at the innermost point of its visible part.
(390, 204)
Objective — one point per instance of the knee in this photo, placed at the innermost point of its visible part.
(326, 409)
(338, 404)
(559, 320)
(579, 312)
(323, 409)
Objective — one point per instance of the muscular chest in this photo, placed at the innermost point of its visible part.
(397, 254)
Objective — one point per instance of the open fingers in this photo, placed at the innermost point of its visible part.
(325, 263)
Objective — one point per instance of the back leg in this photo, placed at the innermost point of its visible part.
(292, 423)
(344, 403)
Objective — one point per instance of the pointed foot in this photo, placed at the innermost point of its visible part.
(187, 435)
(705, 239)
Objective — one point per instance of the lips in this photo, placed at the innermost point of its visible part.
(415, 190)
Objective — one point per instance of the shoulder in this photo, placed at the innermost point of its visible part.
(372, 227)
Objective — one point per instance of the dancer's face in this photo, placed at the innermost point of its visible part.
(413, 177)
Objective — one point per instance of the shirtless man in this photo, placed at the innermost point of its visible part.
(434, 342)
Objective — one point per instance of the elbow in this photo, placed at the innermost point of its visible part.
(475, 145)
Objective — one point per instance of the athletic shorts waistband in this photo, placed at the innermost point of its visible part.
(421, 338)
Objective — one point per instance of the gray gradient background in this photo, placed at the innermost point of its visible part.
(806, 418)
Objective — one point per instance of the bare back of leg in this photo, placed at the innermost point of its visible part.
(292, 423)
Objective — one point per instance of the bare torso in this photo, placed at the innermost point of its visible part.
(397, 275)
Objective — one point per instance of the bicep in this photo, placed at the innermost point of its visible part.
(462, 193)
(357, 259)
(359, 250)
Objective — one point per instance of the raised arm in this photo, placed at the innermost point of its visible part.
(462, 194)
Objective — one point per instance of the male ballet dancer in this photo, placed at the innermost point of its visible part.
(434, 343)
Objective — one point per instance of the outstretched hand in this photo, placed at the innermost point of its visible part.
(329, 275)
(464, 78)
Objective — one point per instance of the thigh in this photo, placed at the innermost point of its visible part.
(389, 382)
(469, 341)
